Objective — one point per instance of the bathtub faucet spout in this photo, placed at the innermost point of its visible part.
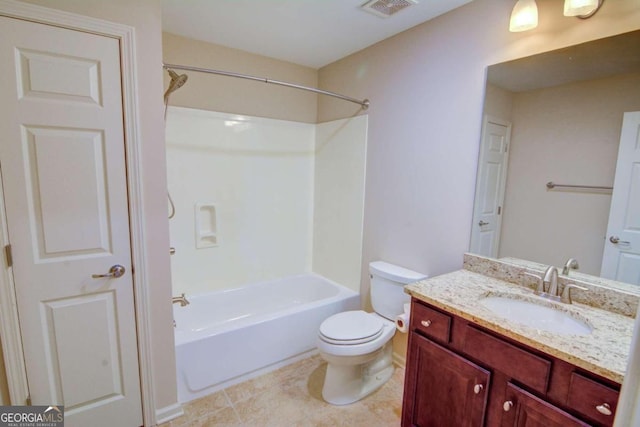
(181, 300)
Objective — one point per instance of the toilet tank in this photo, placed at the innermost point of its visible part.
(387, 287)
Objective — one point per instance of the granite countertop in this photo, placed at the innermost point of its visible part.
(604, 352)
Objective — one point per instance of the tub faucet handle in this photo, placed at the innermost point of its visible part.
(182, 300)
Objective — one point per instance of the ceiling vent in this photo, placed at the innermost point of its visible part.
(386, 8)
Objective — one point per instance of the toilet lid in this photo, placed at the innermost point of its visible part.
(351, 327)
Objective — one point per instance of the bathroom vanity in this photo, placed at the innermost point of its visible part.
(468, 366)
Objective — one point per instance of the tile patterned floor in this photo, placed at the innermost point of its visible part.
(291, 396)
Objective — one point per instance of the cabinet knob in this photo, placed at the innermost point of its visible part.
(604, 409)
(506, 406)
(426, 323)
(478, 388)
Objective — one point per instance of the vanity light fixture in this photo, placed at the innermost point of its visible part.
(524, 16)
(525, 13)
(582, 8)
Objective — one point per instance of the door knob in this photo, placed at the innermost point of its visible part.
(506, 406)
(115, 272)
(615, 240)
(481, 223)
(478, 388)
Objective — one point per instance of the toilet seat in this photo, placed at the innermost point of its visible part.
(351, 328)
(357, 347)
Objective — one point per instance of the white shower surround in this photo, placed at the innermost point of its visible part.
(289, 198)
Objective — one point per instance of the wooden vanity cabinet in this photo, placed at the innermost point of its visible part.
(433, 389)
(459, 374)
(527, 410)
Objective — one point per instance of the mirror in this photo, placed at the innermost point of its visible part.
(554, 117)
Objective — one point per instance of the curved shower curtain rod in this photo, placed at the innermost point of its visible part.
(364, 103)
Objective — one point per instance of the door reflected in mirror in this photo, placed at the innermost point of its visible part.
(558, 116)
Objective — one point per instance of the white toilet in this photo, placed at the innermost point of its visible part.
(357, 344)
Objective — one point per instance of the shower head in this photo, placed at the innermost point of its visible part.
(177, 81)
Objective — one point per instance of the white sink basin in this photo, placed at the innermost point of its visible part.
(536, 316)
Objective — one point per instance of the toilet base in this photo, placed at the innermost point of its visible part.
(345, 384)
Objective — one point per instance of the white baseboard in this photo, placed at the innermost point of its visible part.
(168, 413)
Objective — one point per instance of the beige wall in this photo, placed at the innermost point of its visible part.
(426, 87)
(498, 102)
(145, 17)
(567, 134)
(239, 96)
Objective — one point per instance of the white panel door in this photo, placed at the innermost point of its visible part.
(490, 186)
(62, 161)
(621, 258)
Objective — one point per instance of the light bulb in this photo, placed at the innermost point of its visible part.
(579, 7)
(524, 16)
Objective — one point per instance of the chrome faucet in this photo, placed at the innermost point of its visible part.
(181, 300)
(571, 263)
(551, 280)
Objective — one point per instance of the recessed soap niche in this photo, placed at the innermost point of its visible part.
(206, 225)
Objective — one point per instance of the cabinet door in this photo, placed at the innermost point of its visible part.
(443, 389)
(523, 409)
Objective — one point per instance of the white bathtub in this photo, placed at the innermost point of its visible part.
(229, 336)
